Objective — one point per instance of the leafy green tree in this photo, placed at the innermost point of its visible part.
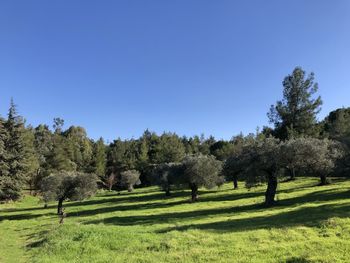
(192, 145)
(222, 149)
(336, 126)
(60, 156)
(80, 147)
(129, 179)
(168, 149)
(202, 171)
(295, 115)
(64, 185)
(31, 158)
(167, 174)
(264, 160)
(99, 158)
(43, 143)
(312, 155)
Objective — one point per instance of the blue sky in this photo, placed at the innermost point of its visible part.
(187, 66)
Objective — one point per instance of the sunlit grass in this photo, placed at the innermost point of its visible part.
(309, 224)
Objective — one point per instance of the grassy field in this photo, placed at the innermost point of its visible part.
(310, 224)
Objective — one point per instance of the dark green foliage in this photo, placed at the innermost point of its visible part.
(222, 149)
(59, 158)
(129, 179)
(13, 177)
(202, 171)
(79, 147)
(99, 158)
(168, 148)
(31, 158)
(336, 126)
(233, 165)
(4, 169)
(168, 174)
(295, 114)
(72, 186)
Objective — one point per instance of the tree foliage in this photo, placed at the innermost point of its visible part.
(202, 171)
(295, 114)
(129, 179)
(64, 185)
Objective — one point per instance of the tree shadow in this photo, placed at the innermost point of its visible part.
(19, 217)
(132, 207)
(297, 260)
(300, 216)
(306, 216)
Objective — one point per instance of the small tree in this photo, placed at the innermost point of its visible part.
(202, 171)
(262, 160)
(167, 174)
(129, 179)
(313, 155)
(265, 159)
(72, 186)
(110, 181)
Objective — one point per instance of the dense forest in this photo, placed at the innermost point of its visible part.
(60, 163)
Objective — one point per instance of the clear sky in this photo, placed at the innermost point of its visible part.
(187, 66)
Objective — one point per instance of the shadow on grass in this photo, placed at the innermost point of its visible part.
(306, 216)
(297, 260)
(302, 216)
(19, 217)
(132, 207)
(314, 197)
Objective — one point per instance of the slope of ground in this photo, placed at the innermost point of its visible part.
(310, 224)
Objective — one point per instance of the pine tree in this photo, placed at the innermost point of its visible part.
(4, 169)
(13, 182)
(295, 115)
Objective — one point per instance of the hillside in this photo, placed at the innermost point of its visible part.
(310, 224)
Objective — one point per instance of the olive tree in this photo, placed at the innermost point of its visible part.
(315, 156)
(72, 186)
(167, 174)
(129, 179)
(202, 171)
(264, 160)
(262, 164)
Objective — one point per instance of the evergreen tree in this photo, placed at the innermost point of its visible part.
(99, 158)
(295, 115)
(169, 149)
(4, 169)
(14, 181)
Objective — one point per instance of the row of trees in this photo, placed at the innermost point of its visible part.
(297, 144)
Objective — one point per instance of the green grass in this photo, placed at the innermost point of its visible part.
(310, 224)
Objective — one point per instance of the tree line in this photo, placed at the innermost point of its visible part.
(63, 164)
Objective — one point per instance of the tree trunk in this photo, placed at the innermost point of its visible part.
(235, 182)
(60, 206)
(292, 174)
(324, 180)
(194, 194)
(167, 191)
(271, 190)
